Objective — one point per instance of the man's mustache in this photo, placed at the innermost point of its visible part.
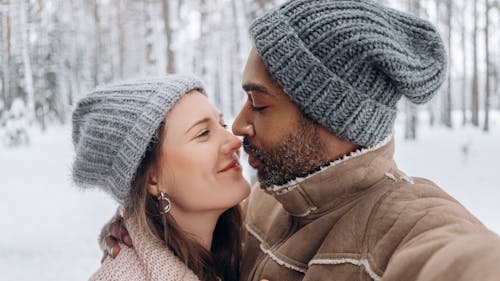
(250, 149)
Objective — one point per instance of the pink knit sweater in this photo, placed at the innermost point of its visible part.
(148, 260)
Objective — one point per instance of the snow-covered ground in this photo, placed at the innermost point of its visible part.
(48, 228)
(465, 162)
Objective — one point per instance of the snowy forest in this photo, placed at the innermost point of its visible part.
(54, 51)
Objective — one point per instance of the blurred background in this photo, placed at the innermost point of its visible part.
(52, 52)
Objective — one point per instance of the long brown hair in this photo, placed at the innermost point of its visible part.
(224, 256)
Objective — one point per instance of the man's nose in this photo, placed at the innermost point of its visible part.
(241, 125)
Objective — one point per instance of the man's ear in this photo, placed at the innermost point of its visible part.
(152, 183)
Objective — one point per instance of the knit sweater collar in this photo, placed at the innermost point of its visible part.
(159, 262)
(337, 182)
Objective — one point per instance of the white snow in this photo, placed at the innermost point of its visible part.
(49, 228)
(465, 162)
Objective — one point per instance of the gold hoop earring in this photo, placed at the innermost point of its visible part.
(168, 204)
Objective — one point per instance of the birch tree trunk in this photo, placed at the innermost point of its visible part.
(411, 120)
(215, 58)
(28, 73)
(2, 60)
(497, 68)
(203, 60)
(432, 105)
(447, 102)
(150, 58)
(239, 23)
(486, 125)
(168, 29)
(121, 37)
(97, 46)
(475, 82)
(74, 71)
(464, 63)
(6, 54)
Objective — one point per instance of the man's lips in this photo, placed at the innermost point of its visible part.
(231, 165)
(252, 152)
(253, 161)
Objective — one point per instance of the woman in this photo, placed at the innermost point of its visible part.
(163, 152)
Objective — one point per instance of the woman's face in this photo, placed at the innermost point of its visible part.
(199, 167)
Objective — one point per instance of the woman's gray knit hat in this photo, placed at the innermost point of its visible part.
(347, 63)
(113, 126)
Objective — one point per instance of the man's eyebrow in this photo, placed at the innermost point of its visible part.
(251, 87)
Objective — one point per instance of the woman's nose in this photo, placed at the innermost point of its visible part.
(232, 143)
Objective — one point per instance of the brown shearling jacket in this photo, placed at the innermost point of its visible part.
(361, 218)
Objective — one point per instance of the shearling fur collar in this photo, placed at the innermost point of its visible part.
(340, 179)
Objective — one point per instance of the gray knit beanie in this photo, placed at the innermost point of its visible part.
(347, 63)
(113, 126)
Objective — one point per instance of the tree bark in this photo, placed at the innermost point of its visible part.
(97, 50)
(411, 120)
(464, 65)
(447, 102)
(203, 37)
(121, 37)
(204, 62)
(6, 34)
(433, 112)
(486, 125)
(167, 26)
(149, 34)
(25, 52)
(475, 82)
(237, 63)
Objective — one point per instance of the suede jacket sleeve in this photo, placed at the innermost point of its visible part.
(438, 240)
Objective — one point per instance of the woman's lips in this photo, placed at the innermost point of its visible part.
(233, 165)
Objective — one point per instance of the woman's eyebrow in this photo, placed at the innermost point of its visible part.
(206, 119)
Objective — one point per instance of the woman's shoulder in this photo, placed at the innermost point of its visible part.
(156, 259)
(160, 264)
(126, 266)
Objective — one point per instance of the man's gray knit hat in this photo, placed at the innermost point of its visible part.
(347, 63)
(113, 126)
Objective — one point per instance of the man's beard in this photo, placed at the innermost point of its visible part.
(297, 155)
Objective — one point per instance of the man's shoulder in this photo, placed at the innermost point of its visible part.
(415, 193)
(416, 208)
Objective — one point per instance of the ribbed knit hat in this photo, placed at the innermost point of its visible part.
(113, 126)
(347, 63)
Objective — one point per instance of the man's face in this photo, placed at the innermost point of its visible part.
(282, 144)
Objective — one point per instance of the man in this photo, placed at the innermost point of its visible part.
(322, 82)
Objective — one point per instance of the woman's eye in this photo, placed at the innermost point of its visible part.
(203, 134)
(224, 126)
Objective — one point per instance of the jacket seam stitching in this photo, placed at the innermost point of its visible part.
(254, 233)
(374, 212)
(270, 254)
(281, 262)
(364, 263)
(359, 262)
(311, 206)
